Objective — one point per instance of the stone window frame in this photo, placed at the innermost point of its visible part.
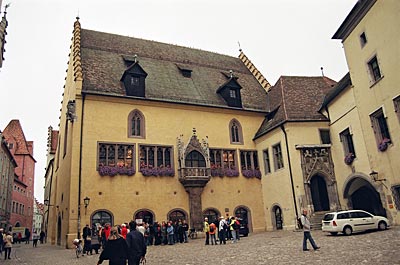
(346, 137)
(150, 158)
(396, 103)
(235, 132)
(374, 69)
(396, 195)
(327, 135)
(278, 156)
(140, 132)
(380, 126)
(246, 155)
(267, 161)
(111, 160)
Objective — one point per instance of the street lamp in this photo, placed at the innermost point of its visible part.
(86, 202)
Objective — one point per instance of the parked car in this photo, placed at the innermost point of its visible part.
(244, 228)
(350, 221)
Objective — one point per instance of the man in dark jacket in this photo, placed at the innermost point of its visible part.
(136, 245)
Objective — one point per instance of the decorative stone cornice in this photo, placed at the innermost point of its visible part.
(76, 51)
(257, 74)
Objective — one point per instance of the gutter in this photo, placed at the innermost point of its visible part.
(80, 168)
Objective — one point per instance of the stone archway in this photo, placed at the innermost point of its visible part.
(362, 195)
(144, 216)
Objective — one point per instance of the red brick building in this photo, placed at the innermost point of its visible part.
(23, 188)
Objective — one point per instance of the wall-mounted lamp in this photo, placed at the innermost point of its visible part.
(375, 176)
(47, 203)
(86, 202)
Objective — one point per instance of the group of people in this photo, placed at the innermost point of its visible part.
(118, 243)
(7, 239)
(227, 229)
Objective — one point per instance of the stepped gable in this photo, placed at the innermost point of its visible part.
(106, 56)
(296, 98)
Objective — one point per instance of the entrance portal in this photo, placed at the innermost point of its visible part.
(319, 194)
(363, 196)
(278, 218)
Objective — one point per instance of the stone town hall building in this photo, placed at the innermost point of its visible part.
(155, 131)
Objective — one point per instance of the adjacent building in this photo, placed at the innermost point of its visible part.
(7, 166)
(23, 186)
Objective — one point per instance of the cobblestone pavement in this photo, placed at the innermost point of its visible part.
(283, 247)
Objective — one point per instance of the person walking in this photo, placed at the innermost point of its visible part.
(307, 232)
(35, 239)
(8, 241)
(232, 228)
(136, 245)
(206, 230)
(115, 250)
(42, 236)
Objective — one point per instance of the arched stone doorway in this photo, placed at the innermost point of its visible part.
(361, 195)
(101, 217)
(277, 219)
(59, 231)
(319, 193)
(244, 214)
(212, 215)
(176, 215)
(145, 216)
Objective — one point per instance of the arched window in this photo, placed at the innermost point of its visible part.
(235, 132)
(195, 159)
(136, 124)
(175, 215)
(102, 218)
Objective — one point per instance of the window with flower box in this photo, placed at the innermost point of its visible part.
(223, 163)
(278, 157)
(249, 163)
(348, 146)
(155, 160)
(381, 129)
(116, 159)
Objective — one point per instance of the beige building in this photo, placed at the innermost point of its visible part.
(364, 111)
(151, 131)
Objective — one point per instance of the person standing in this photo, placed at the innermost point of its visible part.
(115, 250)
(206, 230)
(86, 232)
(232, 227)
(27, 236)
(35, 239)
(185, 228)
(212, 232)
(136, 245)
(42, 236)
(307, 232)
(170, 233)
(222, 230)
(1, 241)
(8, 241)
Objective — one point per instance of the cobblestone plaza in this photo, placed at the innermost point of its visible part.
(283, 247)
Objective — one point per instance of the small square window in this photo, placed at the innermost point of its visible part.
(374, 69)
(363, 39)
(325, 136)
(232, 93)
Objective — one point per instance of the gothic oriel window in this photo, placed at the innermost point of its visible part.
(195, 159)
(136, 124)
(235, 131)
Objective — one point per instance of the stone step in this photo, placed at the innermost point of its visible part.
(316, 220)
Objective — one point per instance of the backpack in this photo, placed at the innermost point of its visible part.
(299, 223)
(211, 228)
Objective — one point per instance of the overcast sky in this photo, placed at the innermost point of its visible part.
(281, 37)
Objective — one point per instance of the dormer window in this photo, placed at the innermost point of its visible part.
(185, 71)
(134, 78)
(230, 91)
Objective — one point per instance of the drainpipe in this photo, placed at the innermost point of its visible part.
(80, 168)
(290, 170)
